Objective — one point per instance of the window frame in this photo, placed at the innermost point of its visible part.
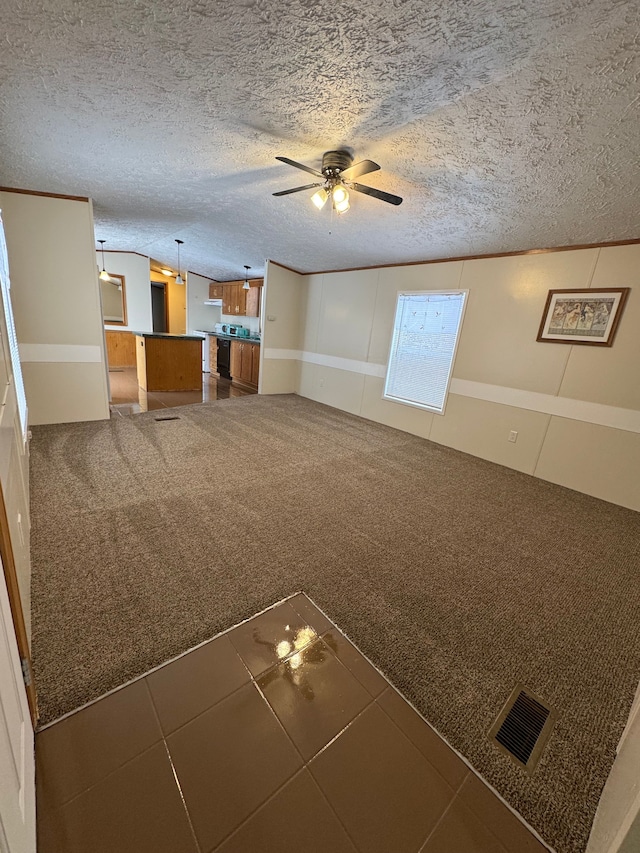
(412, 403)
(10, 343)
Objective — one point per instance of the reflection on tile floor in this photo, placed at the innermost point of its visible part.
(127, 398)
(277, 735)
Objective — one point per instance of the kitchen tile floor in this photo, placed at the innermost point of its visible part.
(276, 735)
(127, 398)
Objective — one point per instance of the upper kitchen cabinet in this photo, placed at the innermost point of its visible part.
(237, 301)
(233, 300)
(253, 298)
(216, 291)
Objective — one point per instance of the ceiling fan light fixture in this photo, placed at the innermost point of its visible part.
(320, 198)
(338, 167)
(179, 279)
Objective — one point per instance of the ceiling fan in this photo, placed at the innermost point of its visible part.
(337, 173)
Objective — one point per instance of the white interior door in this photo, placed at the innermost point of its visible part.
(17, 764)
(17, 785)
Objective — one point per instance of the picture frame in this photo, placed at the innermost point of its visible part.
(588, 317)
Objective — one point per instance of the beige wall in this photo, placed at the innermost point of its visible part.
(135, 269)
(56, 304)
(200, 317)
(281, 330)
(576, 409)
(176, 303)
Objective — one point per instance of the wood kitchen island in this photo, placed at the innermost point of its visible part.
(168, 362)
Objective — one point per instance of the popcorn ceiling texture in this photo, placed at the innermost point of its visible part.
(504, 125)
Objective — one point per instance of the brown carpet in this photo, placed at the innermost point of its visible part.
(457, 577)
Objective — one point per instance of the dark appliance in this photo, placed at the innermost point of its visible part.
(224, 358)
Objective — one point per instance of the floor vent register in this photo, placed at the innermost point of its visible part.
(523, 728)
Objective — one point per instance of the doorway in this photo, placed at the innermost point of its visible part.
(159, 306)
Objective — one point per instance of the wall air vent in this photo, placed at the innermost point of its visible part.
(523, 728)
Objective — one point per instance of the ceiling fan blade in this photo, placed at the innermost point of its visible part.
(298, 189)
(300, 166)
(361, 168)
(360, 188)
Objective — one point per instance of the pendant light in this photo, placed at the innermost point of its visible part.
(246, 285)
(104, 275)
(179, 279)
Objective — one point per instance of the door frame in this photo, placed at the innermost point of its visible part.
(165, 288)
(11, 578)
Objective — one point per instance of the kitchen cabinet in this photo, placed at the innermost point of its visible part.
(245, 363)
(216, 291)
(255, 364)
(237, 301)
(253, 298)
(168, 362)
(121, 349)
(233, 301)
(213, 354)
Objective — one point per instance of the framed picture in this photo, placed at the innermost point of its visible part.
(582, 316)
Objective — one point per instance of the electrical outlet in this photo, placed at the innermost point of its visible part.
(513, 435)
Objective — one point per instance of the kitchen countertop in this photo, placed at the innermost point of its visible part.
(246, 340)
(168, 335)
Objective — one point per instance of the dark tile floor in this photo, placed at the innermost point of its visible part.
(277, 735)
(127, 398)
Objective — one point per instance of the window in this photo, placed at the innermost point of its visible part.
(13, 353)
(423, 347)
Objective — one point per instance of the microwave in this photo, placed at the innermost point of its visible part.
(234, 331)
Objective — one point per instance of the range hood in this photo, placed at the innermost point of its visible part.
(216, 302)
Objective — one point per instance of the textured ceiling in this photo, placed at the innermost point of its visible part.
(504, 125)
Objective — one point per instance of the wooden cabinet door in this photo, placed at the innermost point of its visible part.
(234, 299)
(236, 360)
(255, 363)
(241, 299)
(253, 296)
(121, 349)
(216, 291)
(213, 354)
(228, 299)
(245, 362)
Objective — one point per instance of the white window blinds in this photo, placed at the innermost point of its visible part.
(423, 347)
(12, 340)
